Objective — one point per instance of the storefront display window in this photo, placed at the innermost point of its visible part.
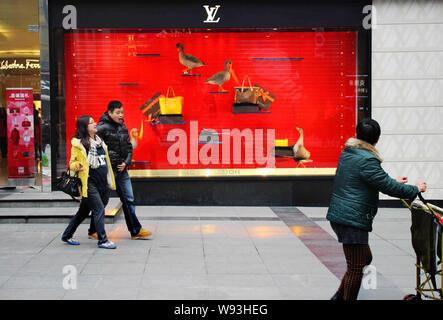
(255, 101)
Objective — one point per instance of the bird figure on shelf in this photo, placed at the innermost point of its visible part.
(187, 60)
(134, 138)
(301, 154)
(223, 76)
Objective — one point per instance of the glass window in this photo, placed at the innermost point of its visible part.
(20, 133)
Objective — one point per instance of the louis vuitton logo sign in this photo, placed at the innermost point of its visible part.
(212, 12)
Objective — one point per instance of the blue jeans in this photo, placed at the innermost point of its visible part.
(96, 202)
(124, 191)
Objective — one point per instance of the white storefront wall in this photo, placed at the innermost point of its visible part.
(407, 89)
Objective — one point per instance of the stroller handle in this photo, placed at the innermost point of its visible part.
(421, 198)
(427, 205)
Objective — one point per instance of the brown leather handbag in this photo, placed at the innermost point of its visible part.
(246, 94)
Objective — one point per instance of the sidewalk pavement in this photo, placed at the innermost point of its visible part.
(222, 253)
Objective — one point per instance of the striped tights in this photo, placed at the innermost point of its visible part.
(357, 257)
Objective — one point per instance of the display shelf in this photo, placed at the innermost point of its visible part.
(277, 58)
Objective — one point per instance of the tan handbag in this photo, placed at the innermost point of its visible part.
(246, 94)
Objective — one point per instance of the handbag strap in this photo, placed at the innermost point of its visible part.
(243, 83)
(167, 92)
(68, 171)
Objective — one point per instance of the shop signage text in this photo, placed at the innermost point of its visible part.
(21, 64)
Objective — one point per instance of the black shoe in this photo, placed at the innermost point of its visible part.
(337, 297)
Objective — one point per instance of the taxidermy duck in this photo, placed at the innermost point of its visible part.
(134, 138)
(187, 60)
(223, 76)
(301, 154)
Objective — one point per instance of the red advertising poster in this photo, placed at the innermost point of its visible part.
(20, 112)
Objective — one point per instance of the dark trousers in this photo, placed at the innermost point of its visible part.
(357, 257)
(124, 191)
(4, 146)
(96, 202)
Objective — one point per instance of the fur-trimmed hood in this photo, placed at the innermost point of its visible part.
(360, 144)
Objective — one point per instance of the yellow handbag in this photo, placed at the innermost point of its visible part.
(281, 142)
(171, 105)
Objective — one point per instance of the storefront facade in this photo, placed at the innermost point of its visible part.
(306, 65)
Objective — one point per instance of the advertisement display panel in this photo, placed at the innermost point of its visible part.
(217, 102)
(20, 129)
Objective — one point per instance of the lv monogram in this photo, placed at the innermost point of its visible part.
(212, 12)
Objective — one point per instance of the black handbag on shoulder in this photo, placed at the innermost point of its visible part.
(69, 184)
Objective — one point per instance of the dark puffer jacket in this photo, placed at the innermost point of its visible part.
(116, 137)
(358, 180)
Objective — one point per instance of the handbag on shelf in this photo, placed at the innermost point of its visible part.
(169, 105)
(246, 94)
(281, 142)
(69, 184)
(265, 98)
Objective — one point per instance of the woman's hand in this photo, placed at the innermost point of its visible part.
(421, 186)
(79, 166)
(402, 180)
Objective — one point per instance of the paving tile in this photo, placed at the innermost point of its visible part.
(240, 280)
(114, 281)
(174, 281)
(32, 294)
(165, 293)
(53, 269)
(198, 268)
(111, 258)
(33, 282)
(102, 294)
(113, 269)
(3, 279)
(254, 293)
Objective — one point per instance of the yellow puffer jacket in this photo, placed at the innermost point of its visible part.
(78, 154)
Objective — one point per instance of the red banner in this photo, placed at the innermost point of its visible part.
(20, 122)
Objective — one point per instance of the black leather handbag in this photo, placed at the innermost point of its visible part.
(69, 184)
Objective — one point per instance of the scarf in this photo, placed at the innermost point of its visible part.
(93, 160)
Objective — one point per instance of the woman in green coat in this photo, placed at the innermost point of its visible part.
(358, 180)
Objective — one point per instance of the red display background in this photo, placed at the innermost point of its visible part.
(316, 93)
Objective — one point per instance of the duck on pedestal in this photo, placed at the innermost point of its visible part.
(301, 154)
(187, 60)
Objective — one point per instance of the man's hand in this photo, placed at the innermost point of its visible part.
(402, 180)
(121, 167)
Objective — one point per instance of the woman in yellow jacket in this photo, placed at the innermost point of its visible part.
(89, 157)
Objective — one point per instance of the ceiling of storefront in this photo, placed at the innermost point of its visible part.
(15, 17)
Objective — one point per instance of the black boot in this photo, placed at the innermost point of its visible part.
(337, 297)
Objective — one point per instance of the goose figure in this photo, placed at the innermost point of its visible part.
(134, 138)
(187, 60)
(301, 154)
(223, 76)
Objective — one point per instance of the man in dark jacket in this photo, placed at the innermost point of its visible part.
(114, 133)
(358, 180)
